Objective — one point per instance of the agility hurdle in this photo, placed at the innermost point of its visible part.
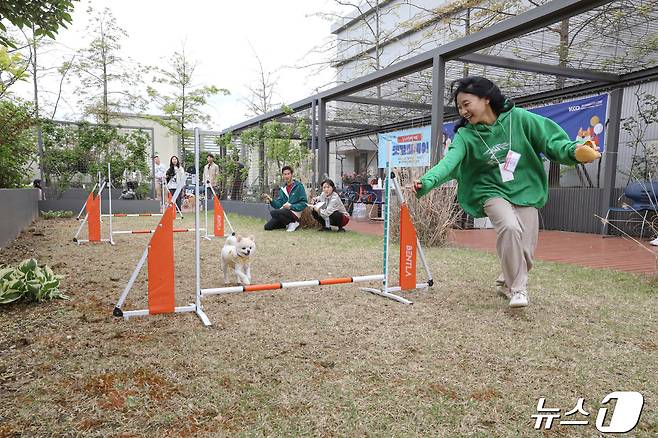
(159, 254)
(409, 247)
(93, 213)
(175, 230)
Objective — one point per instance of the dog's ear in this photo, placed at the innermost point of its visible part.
(238, 238)
(251, 237)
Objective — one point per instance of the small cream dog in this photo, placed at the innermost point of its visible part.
(236, 255)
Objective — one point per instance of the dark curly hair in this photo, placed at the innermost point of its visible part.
(481, 87)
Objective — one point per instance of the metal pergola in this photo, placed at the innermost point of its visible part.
(464, 50)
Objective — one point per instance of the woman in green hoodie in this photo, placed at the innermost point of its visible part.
(495, 157)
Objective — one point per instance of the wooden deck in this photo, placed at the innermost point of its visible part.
(581, 249)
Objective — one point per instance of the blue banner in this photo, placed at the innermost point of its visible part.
(582, 119)
(409, 147)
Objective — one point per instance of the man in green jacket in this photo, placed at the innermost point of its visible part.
(289, 205)
(496, 158)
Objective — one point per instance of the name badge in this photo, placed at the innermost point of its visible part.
(511, 160)
(505, 174)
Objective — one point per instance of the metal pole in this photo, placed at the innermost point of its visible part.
(387, 214)
(421, 253)
(100, 197)
(109, 197)
(323, 146)
(291, 284)
(611, 153)
(205, 200)
(82, 224)
(133, 277)
(197, 246)
(85, 204)
(438, 85)
(314, 144)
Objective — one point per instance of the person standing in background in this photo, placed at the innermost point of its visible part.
(159, 171)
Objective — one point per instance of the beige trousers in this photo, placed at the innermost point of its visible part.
(517, 230)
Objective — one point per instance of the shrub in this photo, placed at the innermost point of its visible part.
(50, 214)
(29, 282)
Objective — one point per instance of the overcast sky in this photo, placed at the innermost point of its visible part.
(218, 34)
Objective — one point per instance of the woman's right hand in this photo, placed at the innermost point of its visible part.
(416, 186)
(266, 197)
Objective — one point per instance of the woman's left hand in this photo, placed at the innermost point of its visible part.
(587, 152)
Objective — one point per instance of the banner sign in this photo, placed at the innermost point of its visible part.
(582, 119)
(409, 147)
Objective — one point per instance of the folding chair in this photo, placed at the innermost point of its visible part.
(643, 196)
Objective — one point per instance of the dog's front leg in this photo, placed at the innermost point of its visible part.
(247, 271)
(225, 270)
(244, 280)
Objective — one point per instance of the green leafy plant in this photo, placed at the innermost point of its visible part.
(74, 153)
(17, 143)
(29, 282)
(58, 214)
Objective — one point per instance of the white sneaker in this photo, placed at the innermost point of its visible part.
(519, 299)
(292, 226)
(654, 242)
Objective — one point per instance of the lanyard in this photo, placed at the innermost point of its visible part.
(510, 139)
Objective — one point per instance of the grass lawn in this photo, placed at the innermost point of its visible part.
(330, 361)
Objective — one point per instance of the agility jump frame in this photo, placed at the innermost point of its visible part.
(92, 218)
(219, 220)
(161, 294)
(159, 254)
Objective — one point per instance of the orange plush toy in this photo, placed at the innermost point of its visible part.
(587, 152)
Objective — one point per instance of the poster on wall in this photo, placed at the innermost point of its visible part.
(409, 147)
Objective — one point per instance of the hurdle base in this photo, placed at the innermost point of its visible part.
(80, 241)
(180, 309)
(386, 292)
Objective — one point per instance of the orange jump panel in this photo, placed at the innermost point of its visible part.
(161, 265)
(407, 250)
(93, 218)
(219, 217)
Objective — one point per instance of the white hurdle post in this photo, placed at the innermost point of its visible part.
(386, 290)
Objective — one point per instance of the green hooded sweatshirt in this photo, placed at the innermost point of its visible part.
(470, 160)
(297, 198)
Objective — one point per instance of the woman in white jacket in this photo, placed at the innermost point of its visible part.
(328, 208)
(175, 177)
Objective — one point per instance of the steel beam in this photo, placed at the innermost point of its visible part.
(323, 145)
(438, 85)
(385, 102)
(330, 123)
(611, 152)
(536, 67)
